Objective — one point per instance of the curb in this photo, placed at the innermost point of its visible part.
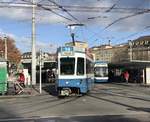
(22, 95)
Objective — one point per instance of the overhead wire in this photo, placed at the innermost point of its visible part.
(41, 1)
(120, 19)
(133, 34)
(49, 9)
(106, 11)
(64, 10)
(126, 17)
(112, 7)
(85, 8)
(77, 8)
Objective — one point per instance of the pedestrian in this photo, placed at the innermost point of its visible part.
(126, 76)
(21, 79)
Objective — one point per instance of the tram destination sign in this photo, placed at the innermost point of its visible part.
(67, 51)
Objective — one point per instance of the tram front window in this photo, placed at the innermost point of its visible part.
(101, 72)
(67, 66)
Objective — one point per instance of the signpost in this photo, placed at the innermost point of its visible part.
(40, 63)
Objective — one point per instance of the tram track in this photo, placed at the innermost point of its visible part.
(127, 105)
(130, 87)
(119, 94)
(133, 87)
(49, 105)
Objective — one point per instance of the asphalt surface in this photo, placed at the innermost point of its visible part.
(106, 102)
(91, 118)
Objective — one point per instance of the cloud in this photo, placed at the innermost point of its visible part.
(47, 47)
(3, 34)
(24, 43)
(102, 20)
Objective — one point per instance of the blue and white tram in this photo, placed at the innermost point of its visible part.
(101, 71)
(75, 71)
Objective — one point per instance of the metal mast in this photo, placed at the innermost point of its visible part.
(5, 39)
(33, 45)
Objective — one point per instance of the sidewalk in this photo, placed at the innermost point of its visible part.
(28, 91)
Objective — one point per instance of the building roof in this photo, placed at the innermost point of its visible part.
(142, 38)
(141, 41)
(102, 46)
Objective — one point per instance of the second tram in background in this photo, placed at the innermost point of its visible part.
(100, 71)
(75, 71)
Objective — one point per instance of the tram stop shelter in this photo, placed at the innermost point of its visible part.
(139, 71)
(3, 76)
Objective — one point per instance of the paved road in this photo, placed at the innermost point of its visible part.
(92, 118)
(113, 102)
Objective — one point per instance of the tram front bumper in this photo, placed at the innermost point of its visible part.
(80, 84)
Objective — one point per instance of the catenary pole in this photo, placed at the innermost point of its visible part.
(130, 45)
(5, 40)
(33, 82)
(40, 64)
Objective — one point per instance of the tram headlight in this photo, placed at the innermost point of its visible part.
(78, 83)
(67, 82)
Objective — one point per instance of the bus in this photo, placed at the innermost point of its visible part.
(100, 72)
(75, 71)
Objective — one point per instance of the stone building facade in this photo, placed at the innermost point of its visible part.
(111, 53)
(139, 49)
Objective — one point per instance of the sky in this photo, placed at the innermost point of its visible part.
(103, 20)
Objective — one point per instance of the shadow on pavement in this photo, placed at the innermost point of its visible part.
(123, 104)
(61, 102)
(140, 109)
(105, 118)
(7, 114)
(50, 89)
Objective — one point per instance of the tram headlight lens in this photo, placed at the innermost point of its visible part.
(78, 83)
(67, 82)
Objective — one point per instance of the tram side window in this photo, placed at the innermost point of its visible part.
(89, 67)
(80, 66)
(67, 66)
